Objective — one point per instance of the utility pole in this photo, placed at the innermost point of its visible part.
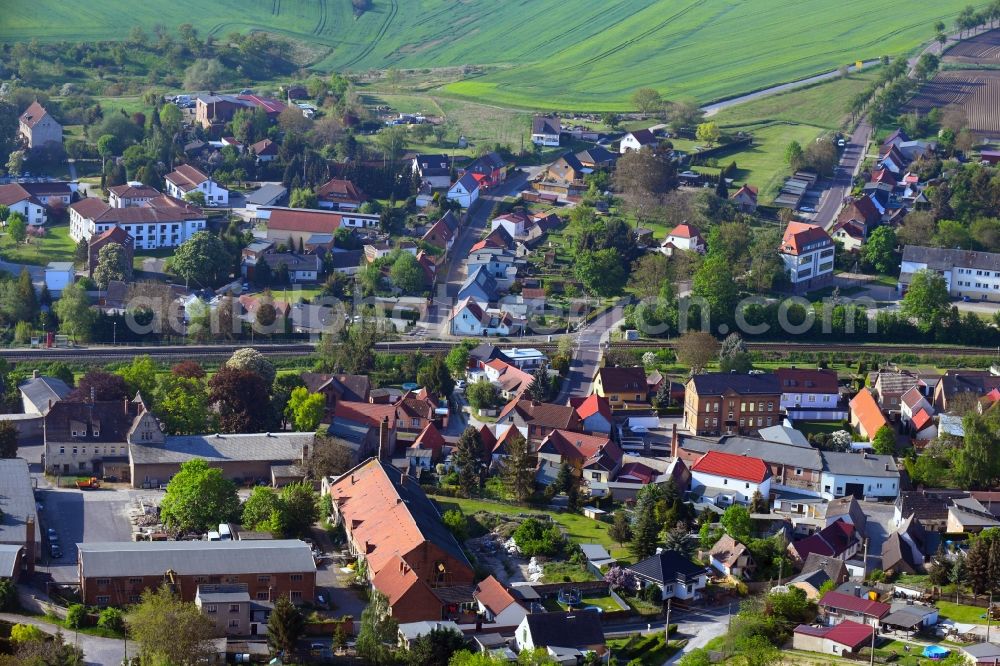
(874, 632)
(989, 617)
(864, 575)
(666, 630)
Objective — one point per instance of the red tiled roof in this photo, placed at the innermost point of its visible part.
(430, 438)
(543, 414)
(800, 234)
(831, 541)
(339, 189)
(264, 147)
(636, 472)
(270, 106)
(848, 633)
(805, 380)
(13, 193)
(921, 418)
(186, 177)
(365, 412)
(33, 114)
(488, 439)
(868, 413)
(748, 190)
(685, 231)
(594, 404)
(622, 380)
(159, 209)
(745, 468)
(493, 595)
(912, 397)
(134, 192)
(884, 176)
(849, 602)
(302, 220)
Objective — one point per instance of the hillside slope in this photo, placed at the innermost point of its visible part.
(584, 54)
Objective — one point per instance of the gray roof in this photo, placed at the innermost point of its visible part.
(982, 650)
(717, 383)
(190, 558)
(267, 194)
(667, 566)
(572, 629)
(943, 258)
(771, 452)
(282, 446)
(234, 597)
(413, 630)
(545, 125)
(8, 559)
(860, 464)
(784, 435)
(903, 618)
(17, 501)
(43, 391)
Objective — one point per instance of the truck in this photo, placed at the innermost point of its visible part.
(88, 484)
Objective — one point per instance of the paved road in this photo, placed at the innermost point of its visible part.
(469, 235)
(96, 650)
(712, 109)
(697, 626)
(587, 350)
(850, 161)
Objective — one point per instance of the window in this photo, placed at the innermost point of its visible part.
(263, 579)
(770, 406)
(742, 422)
(234, 608)
(211, 608)
(103, 581)
(715, 422)
(134, 598)
(135, 580)
(798, 471)
(62, 449)
(234, 624)
(747, 485)
(296, 595)
(262, 596)
(103, 599)
(595, 475)
(295, 578)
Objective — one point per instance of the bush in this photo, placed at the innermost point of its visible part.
(75, 616)
(8, 593)
(455, 521)
(534, 538)
(111, 619)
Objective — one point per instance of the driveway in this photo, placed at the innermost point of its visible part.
(587, 350)
(82, 516)
(96, 650)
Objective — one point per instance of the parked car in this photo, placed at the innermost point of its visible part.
(806, 209)
(460, 385)
(53, 535)
(55, 551)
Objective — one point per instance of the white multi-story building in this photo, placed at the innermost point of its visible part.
(19, 200)
(807, 251)
(160, 222)
(186, 179)
(808, 389)
(967, 274)
(726, 478)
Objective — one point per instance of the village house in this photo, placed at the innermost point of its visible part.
(891, 384)
(442, 233)
(838, 540)
(967, 274)
(435, 170)
(957, 387)
(637, 140)
(392, 526)
(545, 130)
(724, 478)
(337, 387)
(724, 403)
(19, 200)
(863, 475)
(37, 128)
(264, 150)
(857, 219)
(566, 637)
(731, 558)
(866, 416)
(816, 571)
(490, 169)
(161, 222)
(132, 194)
(745, 199)
(535, 420)
(115, 235)
(566, 170)
(217, 110)
(684, 237)
(292, 226)
(497, 604)
(464, 191)
(675, 575)
(39, 393)
(807, 252)
(341, 195)
(844, 638)
(117, 573)
(621, 386)
(595, 414)
(810, 394)
(231, 609)
(510, 380)
(597, 158)
(594, 458)
(471, 318)
(185, 179)
(903, 549)
(917, 413)
(836, 607)
(301, 268)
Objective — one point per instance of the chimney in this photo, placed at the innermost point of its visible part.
(29, 545)
(34, 374)
(674, 441)
(857, 591)
(383, 438)
(305, 453)
(126, 406)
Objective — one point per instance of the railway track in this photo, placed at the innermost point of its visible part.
(180, 352)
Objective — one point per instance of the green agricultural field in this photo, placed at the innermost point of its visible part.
(587, 54)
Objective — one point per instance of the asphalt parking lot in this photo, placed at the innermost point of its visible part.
(82, 516)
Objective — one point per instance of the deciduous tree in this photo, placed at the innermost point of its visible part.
(242, 400)
(170, 631)
(696, 349)
(198, 498)
(647, 100)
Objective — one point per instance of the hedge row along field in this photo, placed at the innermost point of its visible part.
(585, 54)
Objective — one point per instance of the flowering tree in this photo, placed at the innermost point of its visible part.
(620, 578)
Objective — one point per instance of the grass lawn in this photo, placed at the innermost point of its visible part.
(578, 528)
(605, 603)
(816, 427)
(565, 572)
(962, 613)
(649, 649)
(55, 246)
